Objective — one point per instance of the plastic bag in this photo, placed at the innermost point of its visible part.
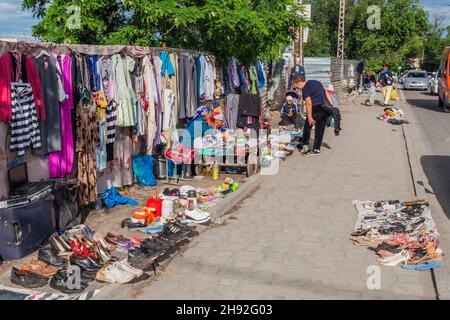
(394, 95)
(143, 169)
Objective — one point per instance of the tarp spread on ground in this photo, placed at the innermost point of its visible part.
(7, 293)
(399, 233)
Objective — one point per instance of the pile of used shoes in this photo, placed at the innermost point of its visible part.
(71, 261)
(399, 233)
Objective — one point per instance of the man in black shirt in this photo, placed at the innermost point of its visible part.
(313, 95)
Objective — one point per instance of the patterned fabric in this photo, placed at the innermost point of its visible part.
(111, 118)
(87, 142)
(24, 121)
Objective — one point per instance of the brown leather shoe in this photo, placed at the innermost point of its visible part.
(40, 268)
(114, 239)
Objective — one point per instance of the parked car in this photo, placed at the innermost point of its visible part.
(403, 76)
(433, 84)
(444, 80)
(416, 80)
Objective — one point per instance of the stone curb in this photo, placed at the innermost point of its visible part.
(440, 275)
(218, 215)
(225, 206)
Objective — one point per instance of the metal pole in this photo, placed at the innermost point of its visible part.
(301, 39)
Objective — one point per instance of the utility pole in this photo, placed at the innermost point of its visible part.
(299, 2)
(341, 36)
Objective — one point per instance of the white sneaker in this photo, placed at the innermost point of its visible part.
(127, 267)
(197, 215)
(118, 274)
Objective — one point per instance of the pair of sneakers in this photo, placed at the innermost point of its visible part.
(306, 151)
(119, 272)
(197, 216)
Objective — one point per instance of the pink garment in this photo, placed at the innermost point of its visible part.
(61, 162)
(35, 81)
(6, 77)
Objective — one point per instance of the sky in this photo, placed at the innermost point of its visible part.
(14, 23)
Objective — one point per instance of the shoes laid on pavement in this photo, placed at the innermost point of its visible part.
(314, 152)
(153, 245)
(395, 259)
(67, 282)
(124, 245)
(197, 216)
(85, 263)
(40, 268)
(27, 279)
(115, 273)
(142, 258)
(49, 256)
(305, 151)
(129, 268)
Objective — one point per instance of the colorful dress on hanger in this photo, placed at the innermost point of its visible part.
(151, 97)
(87, 142)
(61, 162)
(126, 96)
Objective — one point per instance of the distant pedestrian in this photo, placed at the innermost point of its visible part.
(313, 94)
(387, 82)
(360, 70)
(370, 86)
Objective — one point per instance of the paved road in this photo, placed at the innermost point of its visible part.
(434, 129)
(290, 240)
(430, 128)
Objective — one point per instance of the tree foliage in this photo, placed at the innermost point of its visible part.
(403, 26)
(246, 29)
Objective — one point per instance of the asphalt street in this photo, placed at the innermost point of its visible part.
(434, 129)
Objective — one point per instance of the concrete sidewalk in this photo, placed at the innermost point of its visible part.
(290, 239)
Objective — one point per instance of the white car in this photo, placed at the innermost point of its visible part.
(416, 80)
(433, 85)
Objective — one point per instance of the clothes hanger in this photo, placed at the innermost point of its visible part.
(43, 52)
(85, 97)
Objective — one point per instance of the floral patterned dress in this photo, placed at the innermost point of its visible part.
(87, 143)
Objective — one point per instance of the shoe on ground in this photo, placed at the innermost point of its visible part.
(27, 279)
(139, 259)
(84, 263)
(40, 268)
(305, 151)
(86, 277)
(314, 152)
(128, 267)
(151, 244)
(67, 283)
(114, 274)
(197, 215)
(48, 255)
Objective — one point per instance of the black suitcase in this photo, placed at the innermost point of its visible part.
(24, 228)
(67, 213)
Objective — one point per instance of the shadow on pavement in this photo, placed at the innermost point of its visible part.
(437, 170)
(426, 103)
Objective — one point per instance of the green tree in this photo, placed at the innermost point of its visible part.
(246, 29)
(403, 26)
(435, 41)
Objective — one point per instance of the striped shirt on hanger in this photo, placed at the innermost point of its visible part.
(111, 118)
(25, 130)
